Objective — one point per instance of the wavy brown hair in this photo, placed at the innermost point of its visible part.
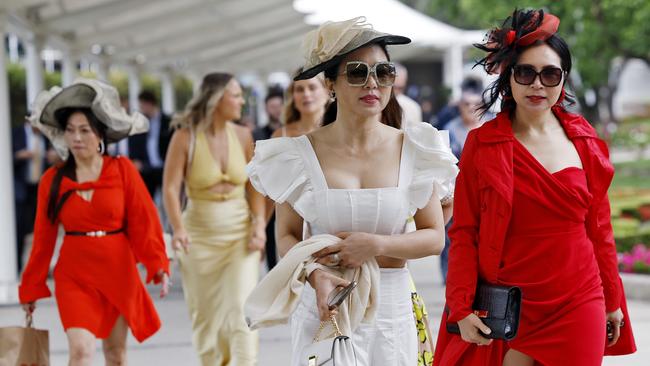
(198, 112)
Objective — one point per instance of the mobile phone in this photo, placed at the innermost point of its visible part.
(339, 294)
(610, 331)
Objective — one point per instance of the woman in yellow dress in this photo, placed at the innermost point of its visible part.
(306, 103)
(219, 235)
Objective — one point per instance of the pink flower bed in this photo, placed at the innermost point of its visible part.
(637, 260)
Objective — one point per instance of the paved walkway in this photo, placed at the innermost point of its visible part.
(172, 345)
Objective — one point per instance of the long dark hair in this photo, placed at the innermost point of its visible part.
(391, 115)
(503, 56)
(69, 167)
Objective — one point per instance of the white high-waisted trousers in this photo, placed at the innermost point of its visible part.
(390, 341)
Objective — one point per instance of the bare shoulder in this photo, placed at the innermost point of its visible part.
(277, 133)
(243, 133)
(391, 131)
(181, 136)
(322, 133)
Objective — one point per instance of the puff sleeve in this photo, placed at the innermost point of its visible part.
(433, 165)
(278, 171)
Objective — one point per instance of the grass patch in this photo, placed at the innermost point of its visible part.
(632, 133)
(631, 175)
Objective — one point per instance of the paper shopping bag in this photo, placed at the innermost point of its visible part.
(24, 346)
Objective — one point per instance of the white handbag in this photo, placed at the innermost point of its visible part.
(336, 351)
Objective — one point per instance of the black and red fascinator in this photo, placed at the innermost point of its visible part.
(522, 29)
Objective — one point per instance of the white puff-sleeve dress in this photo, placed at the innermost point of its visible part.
(287, 170)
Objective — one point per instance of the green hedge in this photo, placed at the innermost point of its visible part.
(18, 89)
(625, 244)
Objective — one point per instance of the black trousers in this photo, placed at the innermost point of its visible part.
(271, 250)
(152, 178)
(25, 216)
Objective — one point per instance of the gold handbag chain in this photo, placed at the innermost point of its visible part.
(337, 332)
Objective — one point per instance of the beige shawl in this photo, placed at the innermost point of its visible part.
(278, 293)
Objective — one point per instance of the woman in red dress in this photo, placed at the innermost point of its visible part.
(109, 220)
(531, 210)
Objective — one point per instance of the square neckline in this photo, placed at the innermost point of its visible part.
(318, 169)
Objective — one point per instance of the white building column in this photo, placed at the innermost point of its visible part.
(196, 79)
(453, 70)
(168, 94)
(68, 68)
(102, 70)
(34, 68)
(134, 86)
(13, 48)
(8, 277)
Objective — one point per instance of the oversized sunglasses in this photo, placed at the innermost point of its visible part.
(526, 75)
(357, 73)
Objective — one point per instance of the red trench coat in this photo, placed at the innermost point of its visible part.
(483, 207)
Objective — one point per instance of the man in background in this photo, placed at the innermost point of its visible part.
(148, 150)
(468, 119)
(470, 84)
(31, 158)
(273, 104)
(411, 111)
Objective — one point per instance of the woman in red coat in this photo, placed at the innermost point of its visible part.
(109, 220)
(531, 210)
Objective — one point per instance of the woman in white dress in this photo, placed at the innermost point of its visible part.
(359, 177)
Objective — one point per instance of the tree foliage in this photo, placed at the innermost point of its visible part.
(18, 89)
(597, 31)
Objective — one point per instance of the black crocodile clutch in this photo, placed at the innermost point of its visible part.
(498, 307)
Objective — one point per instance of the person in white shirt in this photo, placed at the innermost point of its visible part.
(411, 110)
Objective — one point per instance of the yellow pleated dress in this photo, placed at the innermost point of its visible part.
(219, 272)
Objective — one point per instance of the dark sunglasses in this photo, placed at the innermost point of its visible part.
(526, 75)
(357, 73)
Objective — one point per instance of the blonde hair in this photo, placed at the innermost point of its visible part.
(198, 111)
(290, 113)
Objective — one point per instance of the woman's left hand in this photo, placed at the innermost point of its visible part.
(616, 318)
(258, 238)
(353, 250)
(165, 282)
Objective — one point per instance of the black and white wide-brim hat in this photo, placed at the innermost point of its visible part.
(101, 98)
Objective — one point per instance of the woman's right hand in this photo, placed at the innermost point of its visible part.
(29, 307)
(324, 283)
(470, 330)
(181, 240)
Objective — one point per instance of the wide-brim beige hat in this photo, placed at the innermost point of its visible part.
(101, 98)
(332, 41)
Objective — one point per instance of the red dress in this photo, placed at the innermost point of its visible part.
(96, 278)
(553, 244)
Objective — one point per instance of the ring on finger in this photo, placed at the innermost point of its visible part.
(336, 259)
